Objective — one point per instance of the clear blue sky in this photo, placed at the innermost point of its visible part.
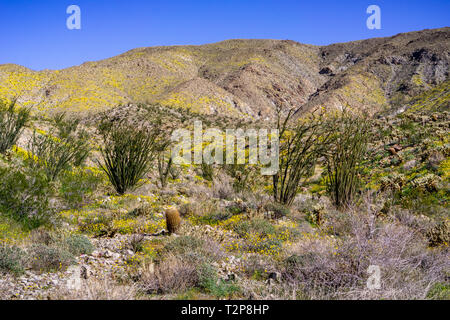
(33, 33)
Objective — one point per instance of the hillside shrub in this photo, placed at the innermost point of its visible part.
(12, 259)
(24, 196)
(12, 122)
(79, 244)
(45, 258)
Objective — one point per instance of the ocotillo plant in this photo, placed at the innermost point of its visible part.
(12, 123)
(301, 143)
(127, 152)
(59, 149)
(344, 156)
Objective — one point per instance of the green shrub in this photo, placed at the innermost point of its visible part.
(209, 281)
(45, 258)
(77, 185)
(440, 291)
(12, 259)
(194, 250)
(24, 196)
(136, 243)
(259, 226)
(278, 210)
(41, 235)
(207, 171)
(240, 173)
(69, 132)
(127, 153)
(79, 244)
(98, 225)
(142, 210)
(184, 244)
(12, 123)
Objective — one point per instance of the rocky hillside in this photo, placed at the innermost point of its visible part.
(245, 77)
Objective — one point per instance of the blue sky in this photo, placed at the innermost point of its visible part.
(33, 33)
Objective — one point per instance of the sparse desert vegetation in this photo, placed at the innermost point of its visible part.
(92, 206)
(101, 220)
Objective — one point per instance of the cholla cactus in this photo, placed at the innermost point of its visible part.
(317, 214)
(439, 234)
(429, 182)
(393, 182)
(143, 210)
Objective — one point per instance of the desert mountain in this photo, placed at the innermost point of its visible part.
(246, 77)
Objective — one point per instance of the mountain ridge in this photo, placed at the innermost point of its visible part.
(244, 77)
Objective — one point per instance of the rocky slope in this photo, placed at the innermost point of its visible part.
(244, 77)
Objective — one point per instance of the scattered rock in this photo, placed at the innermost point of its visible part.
(392, 151)
(410, 164)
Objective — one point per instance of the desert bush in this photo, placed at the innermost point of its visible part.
(24, 196)
(47, 258)
(184, 244)
(301, 143)
(187, 209)
(214, 217)
(99, 225)
(78, 185)
(41, 235)
(240, 173)
(143, 210)
(222, 188)
(439, 234)
(440, 291)
(96, 289)
(171, 275)
(78, 244)
(258, 225)
(12, 123)
(127, 153)
(344, 156)
(278, 210)
(207, 171)
(257, 267)
(194, 249)
(259, 235)
(209, 281)
(12, 259)
(136, 243)
(325, 267)
(199, 210)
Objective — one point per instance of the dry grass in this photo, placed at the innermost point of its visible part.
(97, 289)
(222, 188)
(326, 267)
(172, 275)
